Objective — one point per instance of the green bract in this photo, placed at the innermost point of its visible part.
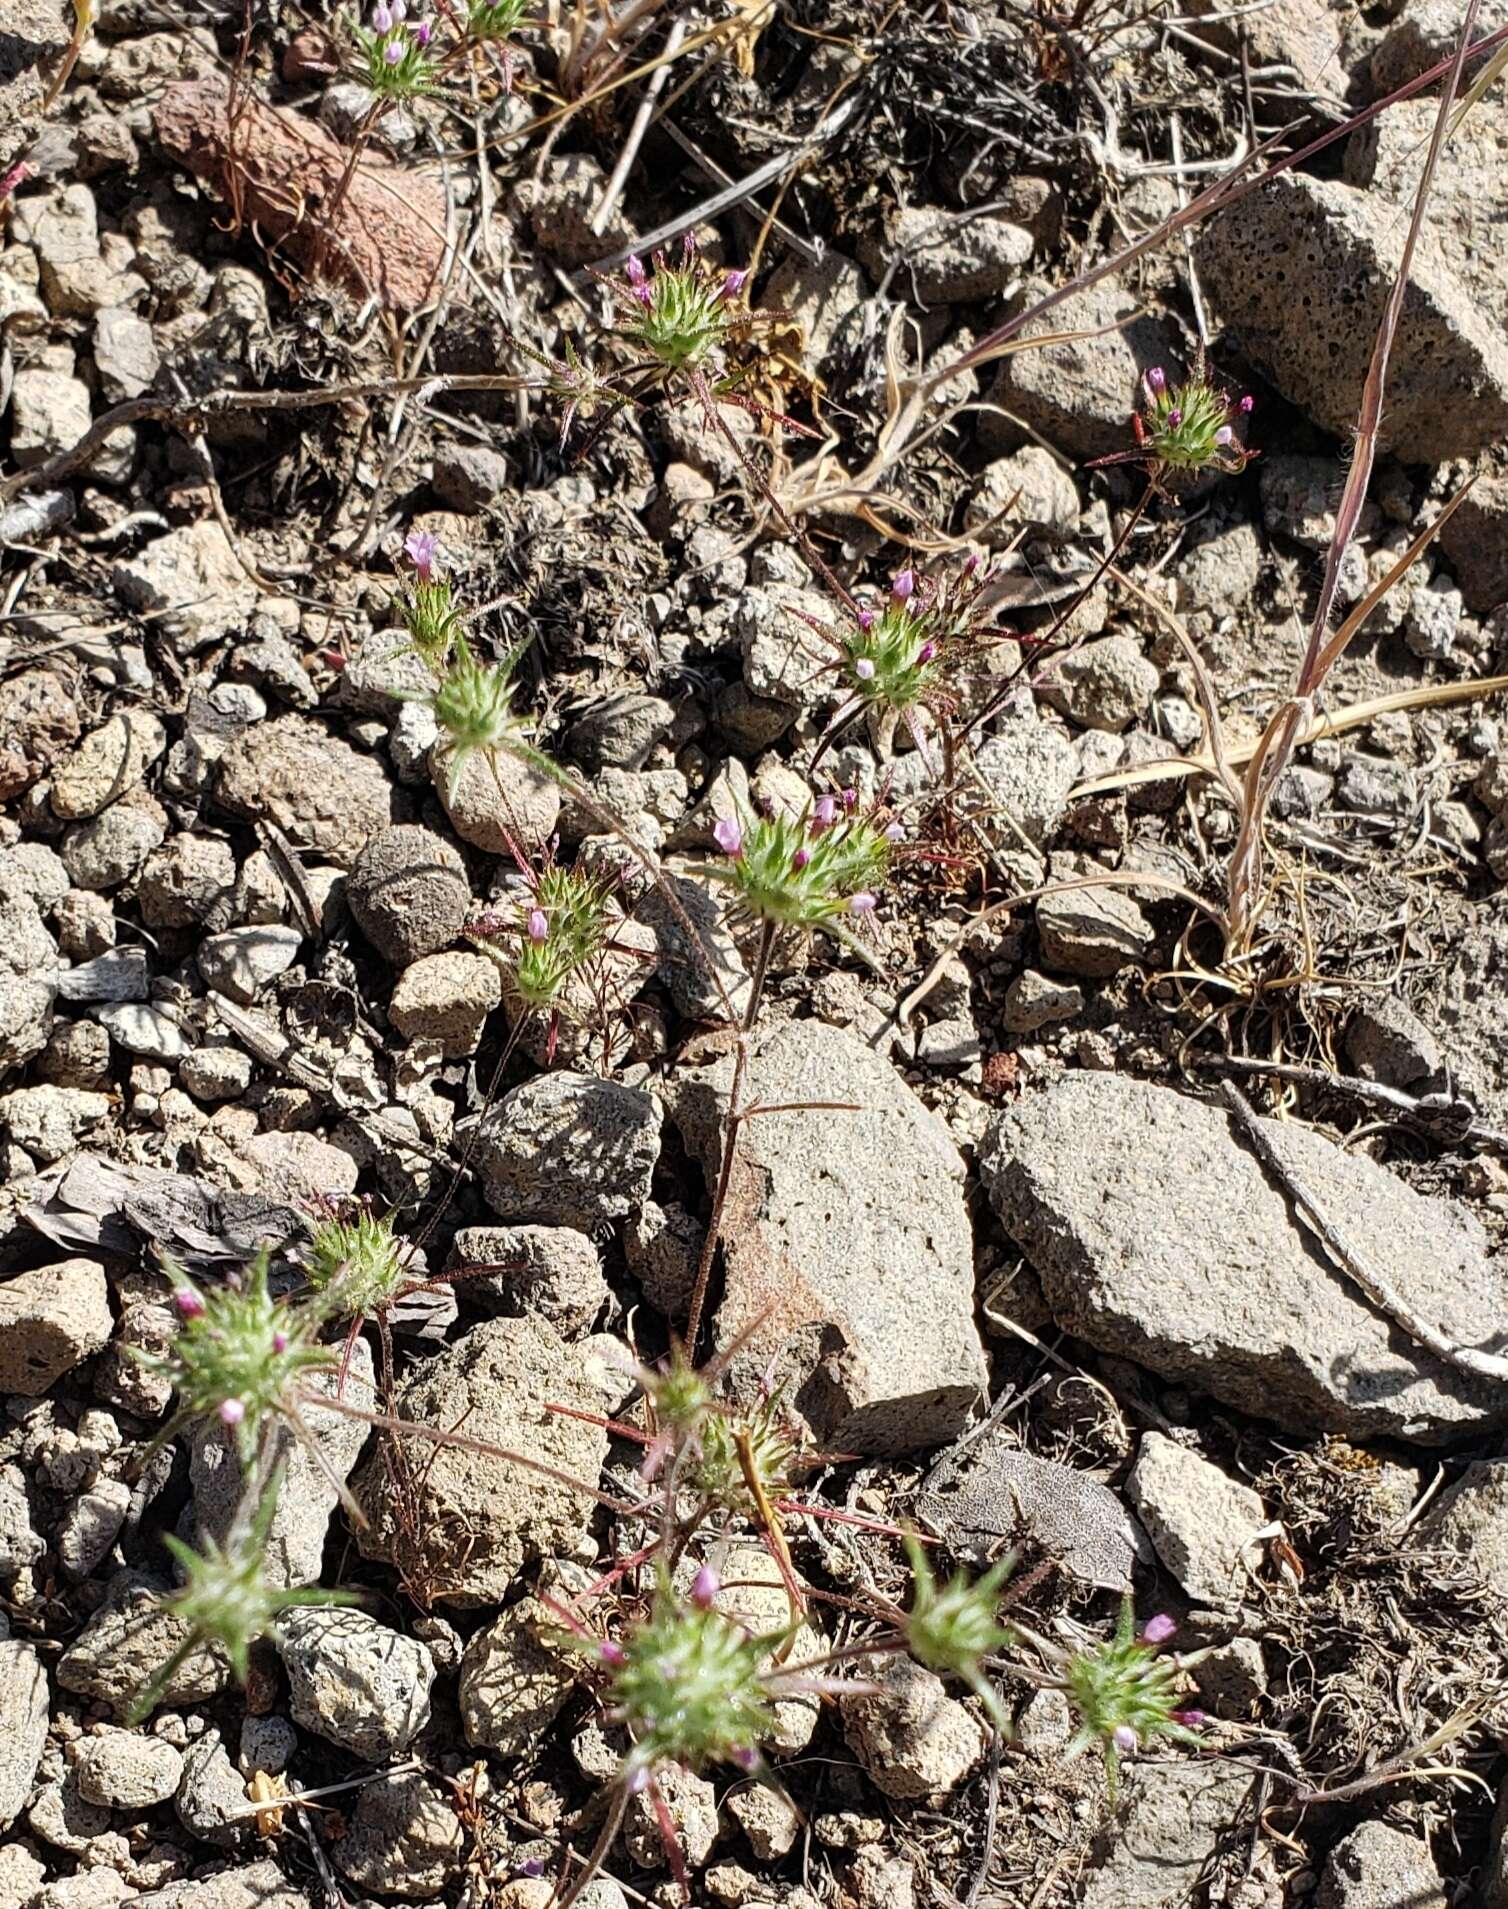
(1126, 1695)
(687, 1685)
(803, 871)
(239, 1355)
(355, 1265)
(494, 19)
(723, 1475)
(954, 1629)
(473, 710)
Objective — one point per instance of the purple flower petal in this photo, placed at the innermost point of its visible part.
(728, 835)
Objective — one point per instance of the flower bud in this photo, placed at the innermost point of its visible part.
(393, 53)
(188, 1302)
(733, 283)
(862, 904)
(633, 267)
(927, 651)
(382, 19)
(612, 1654)
(539, 925)
(895, 833)
(1190, 1719)
(399, 10)
(1157, 1630)
(825, 813)
(1124, 1738)
(423, 33)
(850, 800)
(232, 1411)
(864, 669)
(705, 1587)
(866, 621)
(1157, 381)
(903, 585)
(280, 1342)
(1224, 435)
(1245, 406)
(800, 859)
(728, 835)
(1175, 418)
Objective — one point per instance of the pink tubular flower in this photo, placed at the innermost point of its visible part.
(862, 904)
(1245, 406)
(903, 585)
(1190, 1719)
(728, 835)
(705, 1587)
(393, 53)
(866, 621)
(611, 1653)
(1224, 435)
(419, 548)
(864, 669)
(800, 859)
(638, 279)
(399, 11)
(971, 563)
(1157, 1630)
(232, 1411)
(538, 925)
(1124, 1738)
(895, 833)
(1157, 381)
(423, 33)
(1175, 418)
(926, 653)
(850, 800)
(382, 20)
(280, 1342)
(188, 1302)
(825, 813)
(733, 283)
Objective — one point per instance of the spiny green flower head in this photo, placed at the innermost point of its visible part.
(566, 921)
(952, 1630)
(686, 1681)
(399, 64)
(810, 870)
(473, 710)
(494, 19)
(717, 1472)
(1126, 1695)
(428, 607)
(900, 652)
(1190, 426)
(239, 1355)
(681, 1397)
(225, 1599)
(680, 313)
(355, 1261)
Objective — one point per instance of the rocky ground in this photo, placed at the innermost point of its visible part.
(1010, 1259)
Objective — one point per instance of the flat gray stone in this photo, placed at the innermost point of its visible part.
(23, 1726)
(569, 1150)
(1174, 1820)
(1157, 1236)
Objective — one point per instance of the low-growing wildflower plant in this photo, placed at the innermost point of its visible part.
(1127, 1694)
(953, 1629)
(472, 703)
(679, 313)
(396, 50)
(1188, 426)
(820, 869)
(354, 1262)
(428, 606)
(225, 1600)
(567, 919)
(239, 1358)
(495, 19)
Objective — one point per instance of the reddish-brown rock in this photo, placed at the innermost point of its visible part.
(386, 234)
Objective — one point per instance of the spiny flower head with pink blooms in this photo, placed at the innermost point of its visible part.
(397, 50)
(900, 652)
(427, 605)
(564, 925)
(816, 870)
(1190, 426)
(1127, 1695)
(354, 1261)
(239, 1356)
(679, 313)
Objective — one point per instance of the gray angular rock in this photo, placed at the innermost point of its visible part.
(1166, 1243)
(185, 879)
(1092, 931)
(60, 1816)
(125, 354)
(949, 260)
(21, 1543)
(1070, 1516)
(51, 1319)
(306, 1501)
(216, 1073)
(513, 1684)
(140, 1028)
(494, 803)
(211, 1797)
(909, 1734)
(446, 998)
(34, 870)
(108, 849)
(567, 1150)
(1472, 1520)
(479, 1518)
(107, 763)
(620, 730)
(242, 961)
(355, 1682)
(847, 1236)
(553, 1272)
(403, 1838)
(1152, 1852)
(24, 1706)
(127, 1770)
(193, 574)
(128, 1641)
(259, 1885)
(409, 893)
(1035, 1000)
(1029, 768)
(1203, 1525)
(1301, 271)
(690, 1802)
(25, 1020)
(706, 976)
(90, 1526)
(48, 1121)
(1106, 684)
(316, 788)
(1377, 1867)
